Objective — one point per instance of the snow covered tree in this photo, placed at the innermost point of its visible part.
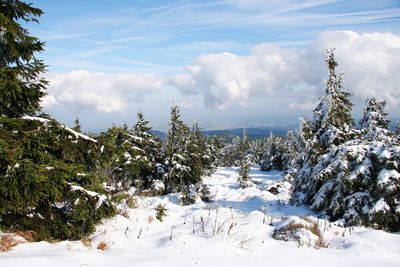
(48, 179)
(21, 85)
(133, 155)
(145, 149)
(345, 176)
(276, 155)
(332, 123)
(233, 153)
(373, 124)
(244, 178)
(177, 156)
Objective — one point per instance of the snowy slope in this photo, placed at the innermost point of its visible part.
(234, 230)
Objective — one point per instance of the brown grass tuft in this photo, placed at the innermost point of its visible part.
(87, 242)
(7, 242)
(103, 246)
(29, 236)
(150, 219)
(131, 202)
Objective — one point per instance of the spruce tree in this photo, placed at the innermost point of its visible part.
(176, 152)
(374, 125)
(244, 178)
(77, 125)
(332, 121)
(21, 86)
(344, 174)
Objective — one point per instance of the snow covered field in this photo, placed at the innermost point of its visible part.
(234, 230)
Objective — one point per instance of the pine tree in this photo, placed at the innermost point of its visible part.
(21, 86)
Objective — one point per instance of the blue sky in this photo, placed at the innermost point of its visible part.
(225, 63)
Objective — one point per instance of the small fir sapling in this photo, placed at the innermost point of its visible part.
(161, 212)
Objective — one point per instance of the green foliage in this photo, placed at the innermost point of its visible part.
(21, 87)
(42, 164)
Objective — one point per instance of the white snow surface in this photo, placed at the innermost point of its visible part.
(236, 231)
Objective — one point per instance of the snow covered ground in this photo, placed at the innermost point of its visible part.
(234, 230)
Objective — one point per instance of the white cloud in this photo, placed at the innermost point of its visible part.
(370, 62)
(295, 76)
(99, 91)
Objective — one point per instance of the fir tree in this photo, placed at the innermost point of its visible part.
(21, 87)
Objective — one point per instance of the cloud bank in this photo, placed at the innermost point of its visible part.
(370, 62)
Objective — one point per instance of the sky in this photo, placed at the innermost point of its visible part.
(227, 63)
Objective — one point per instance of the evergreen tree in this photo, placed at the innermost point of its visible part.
(276, 155)
(373, 124)
(343, 175)
(21, 87)
(332, 121)
(77, 125)
(244, 178)
(145, 148)
(177, 155)
(48, 179)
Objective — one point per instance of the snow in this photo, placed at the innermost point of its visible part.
(79, 188)
(233, 230)
(43, 120)
(77, 135)
(380, 206)
(385, 176)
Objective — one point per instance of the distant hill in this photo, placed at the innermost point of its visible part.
(252, 132)
(227, 135)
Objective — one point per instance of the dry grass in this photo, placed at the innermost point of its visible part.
(7, 242)
(103, 246)
(150, 219)
(283, 234)
(151, 193)
(131, 202)
(123, 212)
(87, 242)
(29, 236)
